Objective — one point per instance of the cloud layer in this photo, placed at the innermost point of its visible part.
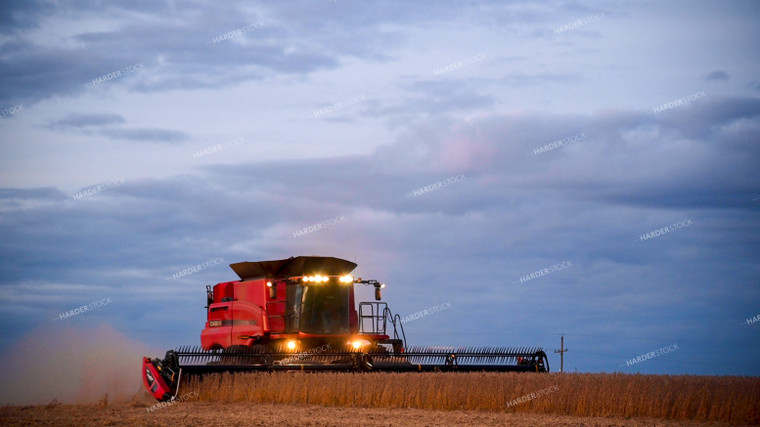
(562, 158)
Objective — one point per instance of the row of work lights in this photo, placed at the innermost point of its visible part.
(322, 279)
(343, 279)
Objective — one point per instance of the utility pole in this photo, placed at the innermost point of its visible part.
(561, 352)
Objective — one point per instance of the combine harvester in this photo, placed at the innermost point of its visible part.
(299, 314)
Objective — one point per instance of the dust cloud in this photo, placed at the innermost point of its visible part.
(72, 364)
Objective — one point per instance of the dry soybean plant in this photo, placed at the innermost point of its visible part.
(682, 397)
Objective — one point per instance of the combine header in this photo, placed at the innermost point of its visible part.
(300, 314)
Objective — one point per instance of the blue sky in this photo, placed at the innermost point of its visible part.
(314, 110)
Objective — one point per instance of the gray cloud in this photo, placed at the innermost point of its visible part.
(717, 75)
(49, 193)
(146, 134)
(102, 123)
(514, 211)
(16, 16)
(87, 120)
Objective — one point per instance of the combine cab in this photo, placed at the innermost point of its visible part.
(300, 314)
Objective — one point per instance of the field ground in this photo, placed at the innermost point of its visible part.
(266, 414)
(419, 399)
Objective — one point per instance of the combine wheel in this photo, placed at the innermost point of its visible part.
(397, 349)
(451, 361)
(266, 360)
(363, 362)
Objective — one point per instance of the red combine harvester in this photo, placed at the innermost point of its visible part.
(300, 314)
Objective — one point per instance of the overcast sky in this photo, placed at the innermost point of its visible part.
(220, 129)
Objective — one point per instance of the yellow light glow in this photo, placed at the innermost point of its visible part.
(291, 345)
(316, 279)
(269, 284)
(346, 279)
(359, 344)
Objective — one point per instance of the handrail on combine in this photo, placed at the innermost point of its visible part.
(377, 324)
(379, 315)
(387, 314)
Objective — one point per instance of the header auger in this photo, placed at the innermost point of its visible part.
(300, 314)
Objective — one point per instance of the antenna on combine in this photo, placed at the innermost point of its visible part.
(561, 352)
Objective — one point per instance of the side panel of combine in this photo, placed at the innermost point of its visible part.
(218, 330)
(236, 315)
(247, 313)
